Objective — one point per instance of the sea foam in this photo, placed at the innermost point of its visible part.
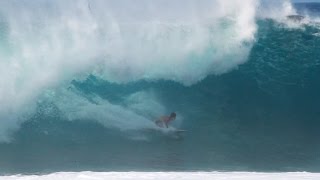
(168, 176)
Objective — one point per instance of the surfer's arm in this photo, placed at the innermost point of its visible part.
(166, 122)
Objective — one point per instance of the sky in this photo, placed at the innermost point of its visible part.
(305, 1)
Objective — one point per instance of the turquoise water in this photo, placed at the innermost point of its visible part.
(256, 113)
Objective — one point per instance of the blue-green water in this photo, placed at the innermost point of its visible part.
(261, 114)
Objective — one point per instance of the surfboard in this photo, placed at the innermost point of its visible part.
(180, 130)
(166, 130)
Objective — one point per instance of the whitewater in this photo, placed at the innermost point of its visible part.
(81, 84)
(119, 42)
(170, 175)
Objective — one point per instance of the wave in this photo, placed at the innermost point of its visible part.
(48, 44)
(45, 45)
(94, 75)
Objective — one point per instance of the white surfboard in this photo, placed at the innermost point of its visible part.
(180, 130)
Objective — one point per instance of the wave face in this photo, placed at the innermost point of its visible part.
(46, 44)
(81, 84)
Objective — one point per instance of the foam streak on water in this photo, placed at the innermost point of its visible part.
(168, 176)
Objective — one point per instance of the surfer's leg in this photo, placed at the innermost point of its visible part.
(159, 123)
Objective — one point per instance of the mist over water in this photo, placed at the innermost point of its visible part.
(82, 82)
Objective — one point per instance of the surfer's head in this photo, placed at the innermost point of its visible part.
(173, 116)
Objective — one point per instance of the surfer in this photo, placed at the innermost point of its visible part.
(165, 120)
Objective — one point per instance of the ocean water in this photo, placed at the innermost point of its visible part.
(167, 175)
(82, 83)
